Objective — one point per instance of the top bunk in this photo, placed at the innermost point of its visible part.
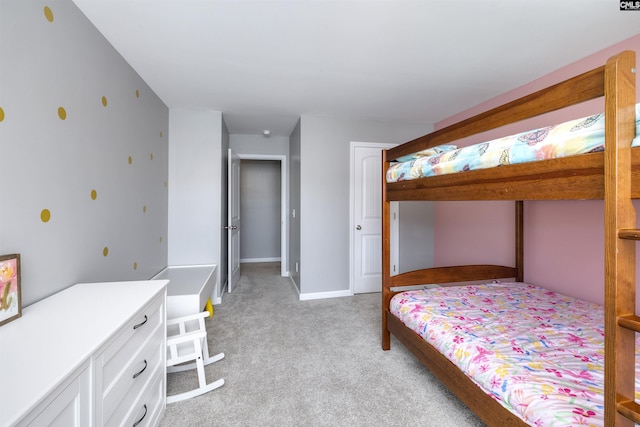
(579, 176)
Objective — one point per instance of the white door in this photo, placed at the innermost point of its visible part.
(233, 226)
(366, 231)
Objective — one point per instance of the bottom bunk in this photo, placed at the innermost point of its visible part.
(516, 354)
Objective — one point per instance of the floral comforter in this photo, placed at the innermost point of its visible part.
(539, 353)
(571, 138)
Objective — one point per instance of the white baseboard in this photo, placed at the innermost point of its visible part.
(250, 260)
(324, 295)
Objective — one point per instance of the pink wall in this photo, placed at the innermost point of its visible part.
(563, 239)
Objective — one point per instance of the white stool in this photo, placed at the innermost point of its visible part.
(187, 342)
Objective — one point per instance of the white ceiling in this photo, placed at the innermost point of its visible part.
(263, 63)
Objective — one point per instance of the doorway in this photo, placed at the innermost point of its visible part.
(263, 206)
(260, 211)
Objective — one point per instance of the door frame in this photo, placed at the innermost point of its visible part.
(352, 224)
(284, 206)
(233, 227)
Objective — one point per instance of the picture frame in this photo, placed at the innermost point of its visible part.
(10, 292)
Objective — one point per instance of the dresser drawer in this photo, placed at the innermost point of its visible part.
(147, 409)
(121, 395)
(118, 355)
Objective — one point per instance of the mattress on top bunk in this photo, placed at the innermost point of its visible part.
(539, 353)
(570, 138)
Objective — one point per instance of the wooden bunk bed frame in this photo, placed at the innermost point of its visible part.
(612, 175)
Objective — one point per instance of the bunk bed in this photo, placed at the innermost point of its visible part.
(611, 175)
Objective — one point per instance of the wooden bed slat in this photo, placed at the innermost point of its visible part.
(571, 178)
(630, 321)
(630, 410)
(462, 273)
(630, 234)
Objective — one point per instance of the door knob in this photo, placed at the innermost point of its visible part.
(358, 227)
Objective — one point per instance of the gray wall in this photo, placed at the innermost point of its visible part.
(194, 183)
(260, 210)
(258, 144)
(101, 171)
(195, 196)
(324, 194)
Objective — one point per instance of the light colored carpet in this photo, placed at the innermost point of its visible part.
(308, 363)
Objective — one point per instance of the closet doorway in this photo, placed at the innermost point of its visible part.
(263, 208)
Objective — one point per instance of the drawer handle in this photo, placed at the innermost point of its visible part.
(141, 323)
(143, 415)
(137, 374)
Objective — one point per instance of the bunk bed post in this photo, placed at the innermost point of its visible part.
(519, 241)
(386, 254)
(620, 270)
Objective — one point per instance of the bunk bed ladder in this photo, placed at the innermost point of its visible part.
(621, 235)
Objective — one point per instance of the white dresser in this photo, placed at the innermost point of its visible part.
(91, 355)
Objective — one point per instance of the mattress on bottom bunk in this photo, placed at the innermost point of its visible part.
(539, 353)
(571, 138)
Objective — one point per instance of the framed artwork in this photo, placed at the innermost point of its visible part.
(10, 296)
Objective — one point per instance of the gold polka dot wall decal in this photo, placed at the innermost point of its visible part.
(48, 14)
(94, 194)
(135, 265)
(137, 93)
(130, 160)
(151, 156)
(62, 113)
(160, 134)
(45, 215)
(105, 251)
(144, 208)
(1, 114)
(104, 101)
